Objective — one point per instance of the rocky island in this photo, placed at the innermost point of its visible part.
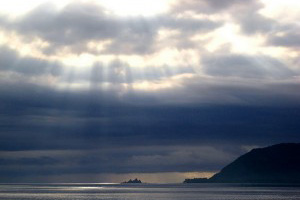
(133, 181)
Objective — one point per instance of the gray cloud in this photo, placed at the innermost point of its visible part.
(28, 66)
(290, 39)
(244, 13)
(209, 6)
(246, 66)
(79, 23)
(253, 22)
(227, 3)
(250, 20)
(19, 68)
(188, 25)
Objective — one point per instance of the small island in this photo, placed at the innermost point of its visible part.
(133, 181)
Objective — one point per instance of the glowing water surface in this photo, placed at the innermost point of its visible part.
(148, 192)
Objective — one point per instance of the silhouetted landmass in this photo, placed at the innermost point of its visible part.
(275, 164)
(133, 181)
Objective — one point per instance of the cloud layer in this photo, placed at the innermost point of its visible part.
(87, 91)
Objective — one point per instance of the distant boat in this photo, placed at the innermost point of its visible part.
(197, 180)
(133, 181)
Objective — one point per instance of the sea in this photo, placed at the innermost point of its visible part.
(200, 191)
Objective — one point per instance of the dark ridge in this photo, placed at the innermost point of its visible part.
(274, 164)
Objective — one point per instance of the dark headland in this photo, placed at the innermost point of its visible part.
(274, 164)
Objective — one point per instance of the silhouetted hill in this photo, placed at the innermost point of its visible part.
(275, 164)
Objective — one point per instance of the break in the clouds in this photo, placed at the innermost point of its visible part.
(107, 90)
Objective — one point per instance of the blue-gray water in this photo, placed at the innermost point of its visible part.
(148, 192)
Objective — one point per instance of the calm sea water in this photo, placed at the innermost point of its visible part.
(148, 192)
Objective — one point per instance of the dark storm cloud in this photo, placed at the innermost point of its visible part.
(117, 160)
(36, 117)
(40, 161)
(123, 140)
(246, 66)
(109, 134)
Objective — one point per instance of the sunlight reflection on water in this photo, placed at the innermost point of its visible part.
(147, 192)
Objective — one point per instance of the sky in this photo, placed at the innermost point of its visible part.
(107, 90)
